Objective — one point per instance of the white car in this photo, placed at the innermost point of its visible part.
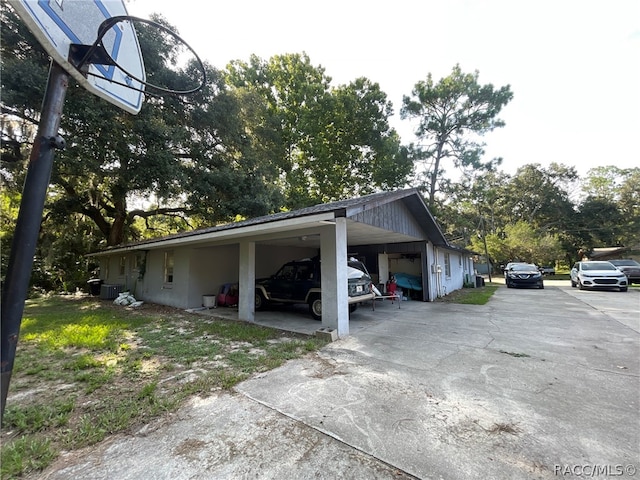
(598, 274)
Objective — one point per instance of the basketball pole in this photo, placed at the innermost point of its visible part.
(23, 247)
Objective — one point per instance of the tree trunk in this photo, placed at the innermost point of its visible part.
(434, 174)
(116, 234)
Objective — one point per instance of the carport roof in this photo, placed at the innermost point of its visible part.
(411, 198)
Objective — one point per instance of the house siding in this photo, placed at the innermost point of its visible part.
(461, 268)
(394, 217)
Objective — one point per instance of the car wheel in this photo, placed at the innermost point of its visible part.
(541, 286)
(580, 286)
(353, 307)
(623, 289)
(315, 307)
(573, 284)
(260, 301)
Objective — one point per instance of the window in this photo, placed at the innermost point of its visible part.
(304, 272)
(122, 267)
(447, 265)
(287, 272)
(168, 267)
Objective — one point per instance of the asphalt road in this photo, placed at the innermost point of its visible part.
(536, 384)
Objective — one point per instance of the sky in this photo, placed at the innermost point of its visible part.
(573, 65)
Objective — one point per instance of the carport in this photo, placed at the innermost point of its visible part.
(367, 226)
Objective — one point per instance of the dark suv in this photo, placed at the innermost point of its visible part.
(630, 268)
(299, 282)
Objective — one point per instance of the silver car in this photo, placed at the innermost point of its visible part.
(598, 274)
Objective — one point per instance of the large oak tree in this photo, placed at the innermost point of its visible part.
(186, 157)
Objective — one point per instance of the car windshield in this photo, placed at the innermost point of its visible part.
(625, 263)
(523, 266)
(598, 266)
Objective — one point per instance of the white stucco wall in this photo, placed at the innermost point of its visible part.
(196, 272)
(154, 288)
(209, 269)
(459, 266)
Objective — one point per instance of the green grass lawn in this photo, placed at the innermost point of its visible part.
(559, 276)
(86, 369)
(471, 296)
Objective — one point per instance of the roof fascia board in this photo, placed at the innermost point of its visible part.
(227, 234)
(367, 205)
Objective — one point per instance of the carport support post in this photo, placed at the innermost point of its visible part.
(426, 276)
(247, 281)
(333, 271)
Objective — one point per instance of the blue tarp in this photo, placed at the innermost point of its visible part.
(411, 282)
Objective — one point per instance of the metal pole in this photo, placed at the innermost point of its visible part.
(23, 248)
(486, 251)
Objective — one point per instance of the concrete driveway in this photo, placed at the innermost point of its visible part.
(535, 384)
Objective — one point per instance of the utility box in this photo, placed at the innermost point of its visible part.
(110, 292)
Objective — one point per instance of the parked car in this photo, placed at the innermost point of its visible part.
(524, 275)
(299, 282)
(546, 270)
(509, 265)
(598, 274)
(630, 268)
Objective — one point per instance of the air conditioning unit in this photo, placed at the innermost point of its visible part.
(110, 292)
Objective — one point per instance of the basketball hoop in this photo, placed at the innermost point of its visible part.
(83, 55)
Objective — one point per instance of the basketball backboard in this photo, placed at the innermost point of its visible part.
(59, 24)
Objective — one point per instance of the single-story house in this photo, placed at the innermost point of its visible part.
(390, 232)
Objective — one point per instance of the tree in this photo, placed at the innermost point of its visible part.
(452, 114)
(521, 242)
(189, 154)
(330, 143)
(629, 204)
(610, 213)
(540, 196)
(600, 223)
(472, 206)
(603, 182)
